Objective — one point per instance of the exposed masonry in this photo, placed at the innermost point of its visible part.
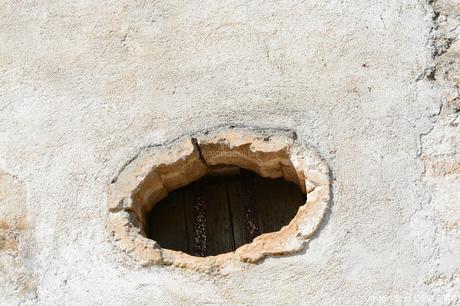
(443, 75)
(440, 150)
(439, 145)
(149, 177)
(445, 50)
(15, 272)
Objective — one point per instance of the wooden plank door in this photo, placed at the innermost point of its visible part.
(216, 215)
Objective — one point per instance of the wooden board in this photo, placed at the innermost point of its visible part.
(189, 220)
(277, 203)
(235, 199)
(219, 223)
(170, 215)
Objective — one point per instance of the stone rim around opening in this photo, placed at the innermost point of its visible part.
(156, 171)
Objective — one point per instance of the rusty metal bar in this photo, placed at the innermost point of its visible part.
(199, 228)
(249, 204)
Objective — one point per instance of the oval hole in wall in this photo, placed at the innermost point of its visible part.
(147, 220)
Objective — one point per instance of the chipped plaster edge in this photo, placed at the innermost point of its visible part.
(268, 153)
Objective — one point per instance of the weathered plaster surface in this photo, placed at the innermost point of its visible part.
(84, 85)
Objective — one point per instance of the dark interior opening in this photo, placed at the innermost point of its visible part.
(219, 213)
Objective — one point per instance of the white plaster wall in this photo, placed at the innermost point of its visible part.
(85, 84)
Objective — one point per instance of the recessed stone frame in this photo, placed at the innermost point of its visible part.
(149, 177)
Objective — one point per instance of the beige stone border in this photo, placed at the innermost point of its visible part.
(156, 171)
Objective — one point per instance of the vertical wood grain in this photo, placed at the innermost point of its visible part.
(218, 214)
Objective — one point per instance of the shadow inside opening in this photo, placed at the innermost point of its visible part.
(219, 213)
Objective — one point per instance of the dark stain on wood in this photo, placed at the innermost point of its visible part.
(218, 214)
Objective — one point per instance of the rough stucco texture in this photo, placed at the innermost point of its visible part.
(84, 85)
